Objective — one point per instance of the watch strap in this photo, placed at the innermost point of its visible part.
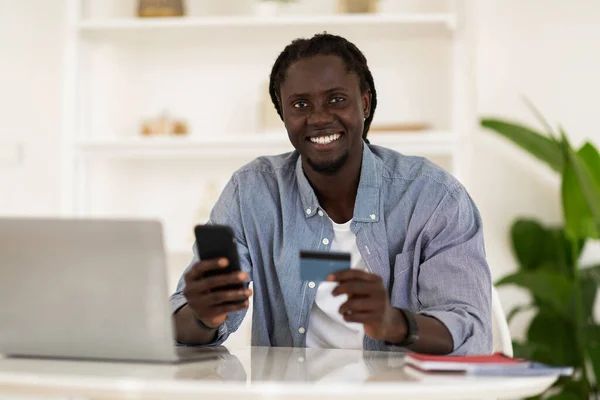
(412, 329)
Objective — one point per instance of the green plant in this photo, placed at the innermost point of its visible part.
(563, 330)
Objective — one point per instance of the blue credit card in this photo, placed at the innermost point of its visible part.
(315, 266)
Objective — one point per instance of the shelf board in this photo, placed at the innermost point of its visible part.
(417, 22)
(422, 143)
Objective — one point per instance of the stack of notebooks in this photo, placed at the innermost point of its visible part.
(496, 364)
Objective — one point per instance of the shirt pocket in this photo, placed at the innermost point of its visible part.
(403, 294)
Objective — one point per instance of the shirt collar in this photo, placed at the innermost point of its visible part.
(366, 207)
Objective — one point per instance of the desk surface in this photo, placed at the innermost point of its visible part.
(257, 372)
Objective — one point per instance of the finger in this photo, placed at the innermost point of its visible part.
(355, 288)
(206, 285)
(362, 318)
(361, 305)
(226, 296)
(203, 266)
(353, 274)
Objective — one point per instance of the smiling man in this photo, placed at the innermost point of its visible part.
(419, 278)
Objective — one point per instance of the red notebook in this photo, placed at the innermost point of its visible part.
(426, 362)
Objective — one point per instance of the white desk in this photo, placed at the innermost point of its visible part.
(256, 373)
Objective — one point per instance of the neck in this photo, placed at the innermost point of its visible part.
(337, 192)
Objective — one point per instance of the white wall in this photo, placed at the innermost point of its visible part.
(30, 105)
(547, 50)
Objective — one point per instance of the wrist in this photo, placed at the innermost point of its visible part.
(407, 332)
(396, 329)
(202, 324)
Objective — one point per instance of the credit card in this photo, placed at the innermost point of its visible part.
(315, 266)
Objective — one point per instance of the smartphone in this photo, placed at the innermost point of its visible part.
(216, 241)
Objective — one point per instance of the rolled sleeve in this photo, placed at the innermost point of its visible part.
(454, 281)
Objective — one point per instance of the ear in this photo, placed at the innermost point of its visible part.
(366, 100)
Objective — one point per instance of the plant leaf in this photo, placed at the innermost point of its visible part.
(513, 313)
(540, 146)
(553, 289)
(538, 247)
(539, 116)
(527, 350)
(588, 289)
(591, 273)
(564, 395)
(587, 169)
(558, 252)
(528, 237)
(592, 159)
(580, 388)
(581, 190)
(579, 222)
(553, 332)
(593, 347)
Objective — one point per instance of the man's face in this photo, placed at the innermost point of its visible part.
(324, 111)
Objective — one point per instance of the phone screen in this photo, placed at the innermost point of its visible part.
(216, 241)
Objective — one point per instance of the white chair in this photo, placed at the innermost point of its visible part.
(500, 333)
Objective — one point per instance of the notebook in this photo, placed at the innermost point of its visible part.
(496, 364)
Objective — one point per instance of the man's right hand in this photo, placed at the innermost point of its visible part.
(206, 297)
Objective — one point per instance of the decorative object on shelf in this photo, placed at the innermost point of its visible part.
(357, 6)
(400, 127)
(268, 117)
(563, 329)
(164, 125)
(160, 8)
(269, 8)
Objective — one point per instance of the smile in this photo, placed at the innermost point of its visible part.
(325, 139)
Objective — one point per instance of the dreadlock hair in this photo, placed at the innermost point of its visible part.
(323, 44)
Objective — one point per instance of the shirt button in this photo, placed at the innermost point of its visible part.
(301, 330)
(311, 285)
(373, 216)
(320, 213)
(308, 211)
(326, 241)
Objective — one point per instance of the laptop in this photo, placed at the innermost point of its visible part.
(87, 289)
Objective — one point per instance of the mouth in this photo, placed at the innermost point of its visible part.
(325, 142)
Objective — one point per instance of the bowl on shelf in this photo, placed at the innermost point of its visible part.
(357, 6)
(160, 8)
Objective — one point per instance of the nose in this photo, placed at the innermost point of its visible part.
(320, 117)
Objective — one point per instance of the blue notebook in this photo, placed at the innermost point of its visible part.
(533, 369)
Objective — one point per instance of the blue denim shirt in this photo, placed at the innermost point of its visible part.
(415, 226)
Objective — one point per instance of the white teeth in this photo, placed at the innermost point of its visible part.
(325, 139)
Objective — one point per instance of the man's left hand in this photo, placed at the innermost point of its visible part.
(368, 304)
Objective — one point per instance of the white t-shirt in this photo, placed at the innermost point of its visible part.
(326, 327)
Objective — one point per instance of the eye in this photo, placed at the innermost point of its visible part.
(300, 104)
(336, 99)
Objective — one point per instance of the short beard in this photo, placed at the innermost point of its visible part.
(329, 167)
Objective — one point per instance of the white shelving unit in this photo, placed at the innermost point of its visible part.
(427, 143)
(120, 70)
(432, 22)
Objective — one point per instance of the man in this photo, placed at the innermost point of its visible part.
(419, 278)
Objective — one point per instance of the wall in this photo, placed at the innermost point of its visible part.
(546, 50)
(30, 105)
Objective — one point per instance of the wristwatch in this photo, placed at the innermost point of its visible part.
(412, 329)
